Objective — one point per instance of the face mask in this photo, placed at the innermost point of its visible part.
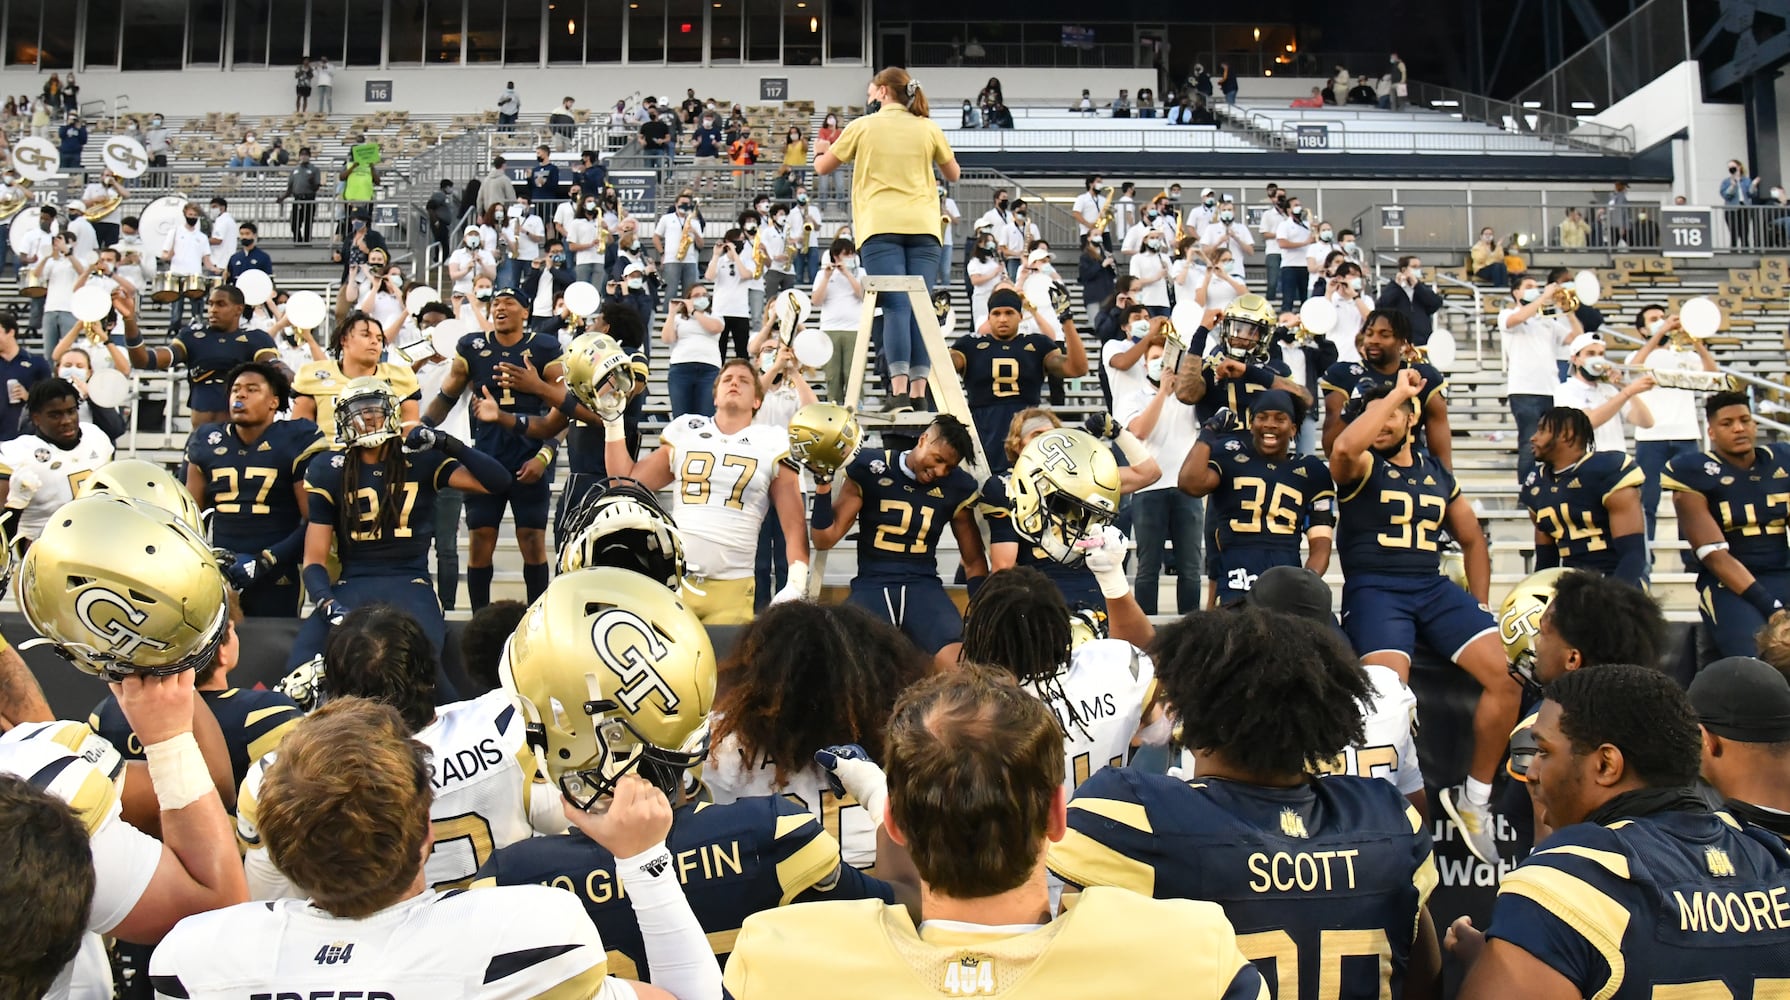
(1154, 370)
(1226, 216)
(1416, 273)
(1211, 201)
(155, 123)
(751, 227)
(848, 262)
(767, 360)
(699, 304)
(1152, 246)
(192, 220)
(1655, 327)
(590, 206)
(801, 199)
(1355, 284)
(682, 208)
(1531, 294)
(498, 216)
(1154, 213)
(1299, 212)
(482, 294)
(1325, 236)
(473, 241)
(1594, 369)
(70, 374)
(1140, 328)
(636, 283)
(777, 220)
(1349, 245)
(246, 242)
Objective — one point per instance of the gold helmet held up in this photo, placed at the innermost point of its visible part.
(1519, 622)
(600, 373)
(615, 675)
(1247, 327)
(367, 413)
(621, 525)
(823, 438)
(136, 479)
(121, 586)
(1064, 487)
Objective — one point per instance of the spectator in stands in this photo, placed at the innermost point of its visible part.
(972, 115)
(1183, 111)
(509, 106)
(1097, 274)
(159, 144)
(1347, 292)
(75, 367)
(1122, 105)
(443, 213)
(1201, 81)
(1575, 232)
(895, 209)
(655, 143)
(543, 180)
(1296, 238)
(1738, 190)
(1485, 260)
(1316, 100)
(991, 92)
(19, 371)
(58, 270)
(358, 179)
(1400, 80)
(1130, 333)
(1336, 89)
(1362, 93)
(1146, 103)
(1531, 339)
(323, 82)
(246, 153)
(276, 155)
(301, 186)
(743, 151)
(52, 94)
(72, 139)
(563, 123)
(1619, 215)
(472, 259)
(694, 335)
(1407, 293)
(705, 138)
(1160, 511)
(248, 256)
(301, 83)
(795, 153)
(1000, 117)
(1227, 83)
(1603, 396)
(838, 295)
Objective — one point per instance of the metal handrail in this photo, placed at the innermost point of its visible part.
(1549, 125)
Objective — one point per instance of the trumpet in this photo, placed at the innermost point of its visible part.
(944, 224)
(1584, 289)
(1180, 230)
(21, 197)
(1690, 381)
(1105, 218)
(602, 237)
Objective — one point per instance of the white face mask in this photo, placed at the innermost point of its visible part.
(636, 283)
(751, 227)
(1355, 284)
(1152, 246)
(1656, 326)
(767, 359)
(848, 262)
(1325, 235)
(1416, 273)
(590, 206)
(473, 241)
(1140, 328)
(1531, 294)
(70, 374)
(699, 304)
(1154, 369)
(1226, 216)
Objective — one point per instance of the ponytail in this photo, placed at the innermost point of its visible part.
(904, 90)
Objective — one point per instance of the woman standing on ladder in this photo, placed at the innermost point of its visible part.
(894, 196)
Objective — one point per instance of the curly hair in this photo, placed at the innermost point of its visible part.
(1639, 711)
(381, 653)
(1273, 693)
(1606, 620)
(807, 676)
(483, 638)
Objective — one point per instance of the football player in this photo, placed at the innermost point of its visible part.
(804, 677)
(1732, 503)
(483, 794)
(52, 874)
(975, 789)
(373, 503)
(355, 349)
(1553, 622)
(209, 354)
(1264, 497)
(900, 504)
(1385, 351)
(124, 590)
(1238, 369)
(367, 921)
(1099, 690)
(1743, 707)
(616, 676)
(42, 468)
(1642, 891)
(728, 474)
(1586, 505)
(1395, 501)
(1004, 372)
(1070, 487)
(250, 473)
(1309, 871)
(476, 366)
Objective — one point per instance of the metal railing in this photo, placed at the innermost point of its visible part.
(1540, 226)
(1635, 51)
(1537, 122)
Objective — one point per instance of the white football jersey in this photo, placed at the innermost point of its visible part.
(483, 774)
(1108, 683)
(722, 484)
(730, 777)
(59, 473)
(67, 760)
(506, 941)
(1389, 749)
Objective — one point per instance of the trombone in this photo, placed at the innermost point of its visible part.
(1688, 380)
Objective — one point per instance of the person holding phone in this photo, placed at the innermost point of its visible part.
(695, 338)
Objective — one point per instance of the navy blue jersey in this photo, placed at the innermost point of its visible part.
(997, 371)
(1689, 904)
(1267, 504)
(1235, 394)
(1075, 581)
(1568, 506)
(1354, 378)
(376, 548)
(1751, 505)
(249, 487)
(1391, 516)
(481, 353)
(209, 354)
(734, 860)
(254, 722)
(1324, 882)
(901, 520)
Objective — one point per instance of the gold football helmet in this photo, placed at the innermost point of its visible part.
(1454, 566)
(1063, 488)
(621, 525)
(614, 674)
(121, 586)
(1519, 622)
(600, 373)
(1085, 626)
(1245, 330)
(367, 413)
(823, 438)
(136, 479)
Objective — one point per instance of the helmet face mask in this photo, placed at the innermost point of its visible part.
(622, 525)
(1246, 328)
(600, 373)
(366, 414)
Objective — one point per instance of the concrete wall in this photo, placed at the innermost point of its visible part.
(458, 90)
(1674, 102)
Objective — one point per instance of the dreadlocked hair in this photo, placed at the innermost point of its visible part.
(807, 676)
(1019, 622)
(379, 652)
(350, 523)
(1273, 693)
(956, 436)
(1568, 421)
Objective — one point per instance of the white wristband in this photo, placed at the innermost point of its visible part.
(177, 771)
(1135, 451)
(1705, 551)
(614, 430)
(647, 869)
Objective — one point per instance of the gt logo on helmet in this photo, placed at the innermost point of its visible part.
(627, 645)
(1055, 448)
(126, 640)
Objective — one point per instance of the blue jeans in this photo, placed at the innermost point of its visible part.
(592, 273)
(770, 568)
(1295, 282)
(891, 253)
(944, 277)
(506, 273)
(692, 388)
(447, 546)
(1528, 410)
(1652, 456)
(1161, 516)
